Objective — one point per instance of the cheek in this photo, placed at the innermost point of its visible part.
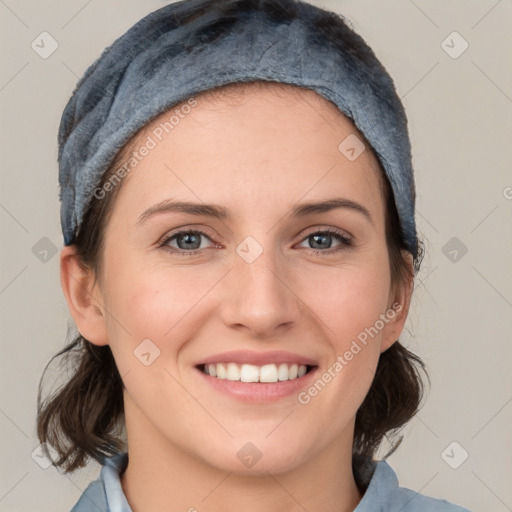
(350, 305)
(155, 302)
(151, 307)
(350, 300)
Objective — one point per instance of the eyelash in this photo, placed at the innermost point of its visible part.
(346, 242)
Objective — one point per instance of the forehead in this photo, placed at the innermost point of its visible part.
(317, 112)
(251, 138)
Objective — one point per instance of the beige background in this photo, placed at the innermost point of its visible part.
(460, 114)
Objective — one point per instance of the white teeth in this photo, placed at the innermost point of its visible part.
(220, 371)
(268, 373)
(282, 372)
(233, 372)
(253, 373)
(249, 373)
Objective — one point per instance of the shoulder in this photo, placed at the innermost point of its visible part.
(105, 494)
(93, 498)
(385, 495)
(412, 501)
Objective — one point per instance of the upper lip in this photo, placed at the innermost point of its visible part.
(258, 358)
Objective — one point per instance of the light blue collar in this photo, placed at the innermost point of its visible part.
(383, 493)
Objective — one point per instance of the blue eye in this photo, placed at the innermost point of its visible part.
(188, 242)
(319, 238)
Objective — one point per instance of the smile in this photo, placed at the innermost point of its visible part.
(263, 384)
(254, 373)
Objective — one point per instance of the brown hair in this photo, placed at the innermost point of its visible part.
(85, 417)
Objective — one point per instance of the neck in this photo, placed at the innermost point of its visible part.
(161, 476)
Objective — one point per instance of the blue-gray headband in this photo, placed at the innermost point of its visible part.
(191, 46)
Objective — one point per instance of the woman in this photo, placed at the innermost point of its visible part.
(240, 246)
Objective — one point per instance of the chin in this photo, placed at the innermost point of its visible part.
(256, 458)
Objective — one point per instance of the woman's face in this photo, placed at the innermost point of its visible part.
(262, 277)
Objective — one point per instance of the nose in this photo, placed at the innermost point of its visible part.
(259, 296)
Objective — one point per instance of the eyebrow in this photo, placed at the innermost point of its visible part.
(219, 212)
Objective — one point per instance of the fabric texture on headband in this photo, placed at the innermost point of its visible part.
(192, 46)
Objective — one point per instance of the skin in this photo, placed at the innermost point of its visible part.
(257, 156)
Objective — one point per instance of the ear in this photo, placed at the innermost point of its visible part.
(84, 298)
(398, 308)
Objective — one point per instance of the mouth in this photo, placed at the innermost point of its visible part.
(253, 384)
(250, 373)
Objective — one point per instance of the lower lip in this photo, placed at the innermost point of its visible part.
(259, 392)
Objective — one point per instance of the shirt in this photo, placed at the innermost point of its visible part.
(382, 492)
